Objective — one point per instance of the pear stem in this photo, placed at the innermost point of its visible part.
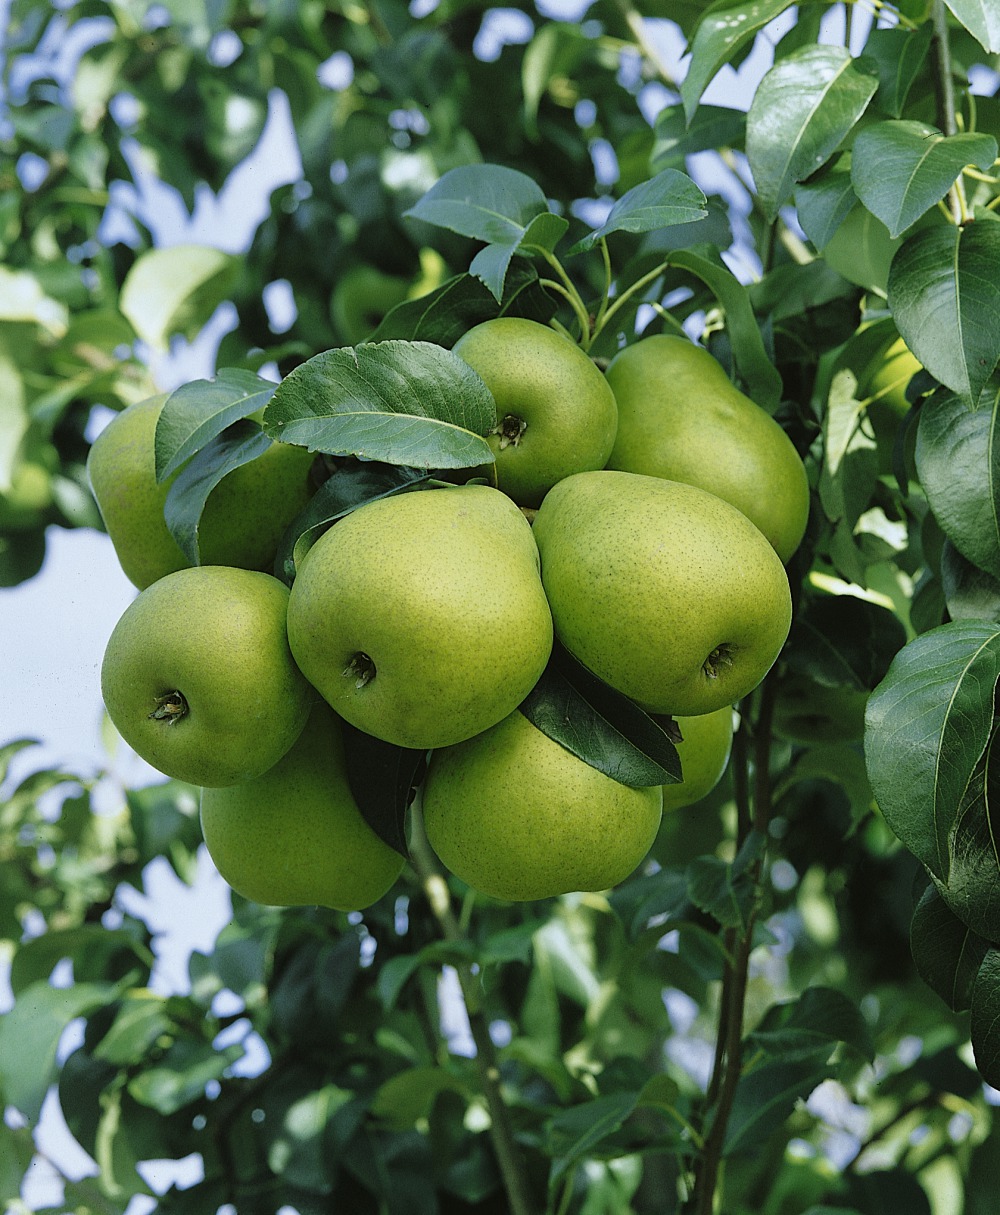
(170, 708)
(508, 1155)
(361, 669)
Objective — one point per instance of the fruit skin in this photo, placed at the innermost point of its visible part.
(294, 835)
(244, 517)
(545, 380)
(517, 816)
(647, 579)
(440, 590)
(217, 636)
(704, 750)
(680, 417)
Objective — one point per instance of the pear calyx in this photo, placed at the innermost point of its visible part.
(170, 707)
(721, 656)
(510, 430)
(361, 669)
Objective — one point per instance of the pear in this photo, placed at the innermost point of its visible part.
(706, 742)
(680, 417)
(294, 836)
(517, 816)
(198, 678)
(421, 617)
(244, 517)
(663, 590)
(556, 414)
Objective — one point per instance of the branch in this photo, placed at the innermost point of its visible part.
(945, 91)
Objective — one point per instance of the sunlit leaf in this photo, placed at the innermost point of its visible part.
(982, 19)
(669, 198)
(175, 290)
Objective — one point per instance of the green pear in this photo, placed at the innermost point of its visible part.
(244, 517)
(680, 417)
(806, 711)
(421, 617)
(556, 414)
(663, 590)
(517, 816)
(294, 835)
(198, 678)
(706, 742)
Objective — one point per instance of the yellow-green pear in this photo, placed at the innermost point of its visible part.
(706, 742)
(421, 617)
(680, 417)
(198, 678)
(663, 590)
(244, 517)
(517, 816)
(294, 836)
(556, 414)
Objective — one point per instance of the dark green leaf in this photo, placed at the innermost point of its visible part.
(712, 127)
(944, 294)
(410, 403)
(669, 198)
(243, 442)
(727, 891)
(766, 1095)
(946, 951)
(926, 728)
(970, 593)
(200, 410)
(600, 726)
(181, 1074)
(816, 1022)
(383, 779)
(985, 1018)
(899, 54)
(843, 641)
(574, 1134)
(901, 169)
(957, 457)
(803, 108)
(825, 201)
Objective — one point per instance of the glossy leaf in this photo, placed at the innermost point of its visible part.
(984, 1022)
(803, 108)
(712, 127)
(175, 290)
(899, 55)
(957, 457)
(901, 169)
(825, 201)
(410, 403)
(981, 19)
(383, 779)
(926, 728)
(944, 294)
(667, 199)
(946, 951)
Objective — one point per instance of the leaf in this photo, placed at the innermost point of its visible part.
(724, 28)
(825, 201)
(383, 779)
(843, 641)
(727, 891)
(185, 502)
(803, 108)
(899, 56)
(181, 1074)
(970, 593)
(944, 294)
(671, 197)
(175, 290)
(926, 728)
(984, 1022)
(957, 458)
(947, 953)
(401, 1101)
(982, 19)
(600, 726)
(765, 1096)
(812, 1025)
(410, 403)
(573, 1134)
(198, 411)
(901, 169)
(712, 127)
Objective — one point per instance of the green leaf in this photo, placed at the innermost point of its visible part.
(825, 201)
(899, 54)
(944, 294)
(671, 197)
(175, 290)
(180, 1075)
(182, 510)
(30, 1033)
(198, 411)
(600, 726)
(674, 139)
(727, 891)
(722, 31)
(803, 108)
(969, 592)
(574, 1134)
(947, 953)
(383, 779)
(410, 403)
(766, 1095)
(402, 1100)
(926, 728)
(140, 1020)
(957, 457)
(984, 1024)
(982, 19)
(901, 169)
(812, 1025)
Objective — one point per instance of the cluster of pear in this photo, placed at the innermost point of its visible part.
(640, 516)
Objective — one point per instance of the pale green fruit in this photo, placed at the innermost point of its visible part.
(806, 711)
(680, 417)
(198, 677)
(244, 517)
(556, 414)
(421, 617)
(704, 751)
(663, 590)
(517, 816)
(294, 836)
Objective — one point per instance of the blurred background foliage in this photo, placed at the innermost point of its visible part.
(313, 1061)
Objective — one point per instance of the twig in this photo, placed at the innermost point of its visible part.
(945, 90)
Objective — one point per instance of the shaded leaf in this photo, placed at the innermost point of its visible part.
(574, 1134)
(181, 1074)
(712, 127)
(819, 1020)
(899, 55)
(669, 198)
(985, 1018)
(824, 201)
(725, 890)
(383, 779)
(947, 953)
(970, 593)
(766, 1095)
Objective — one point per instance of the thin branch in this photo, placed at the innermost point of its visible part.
(945, 93)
